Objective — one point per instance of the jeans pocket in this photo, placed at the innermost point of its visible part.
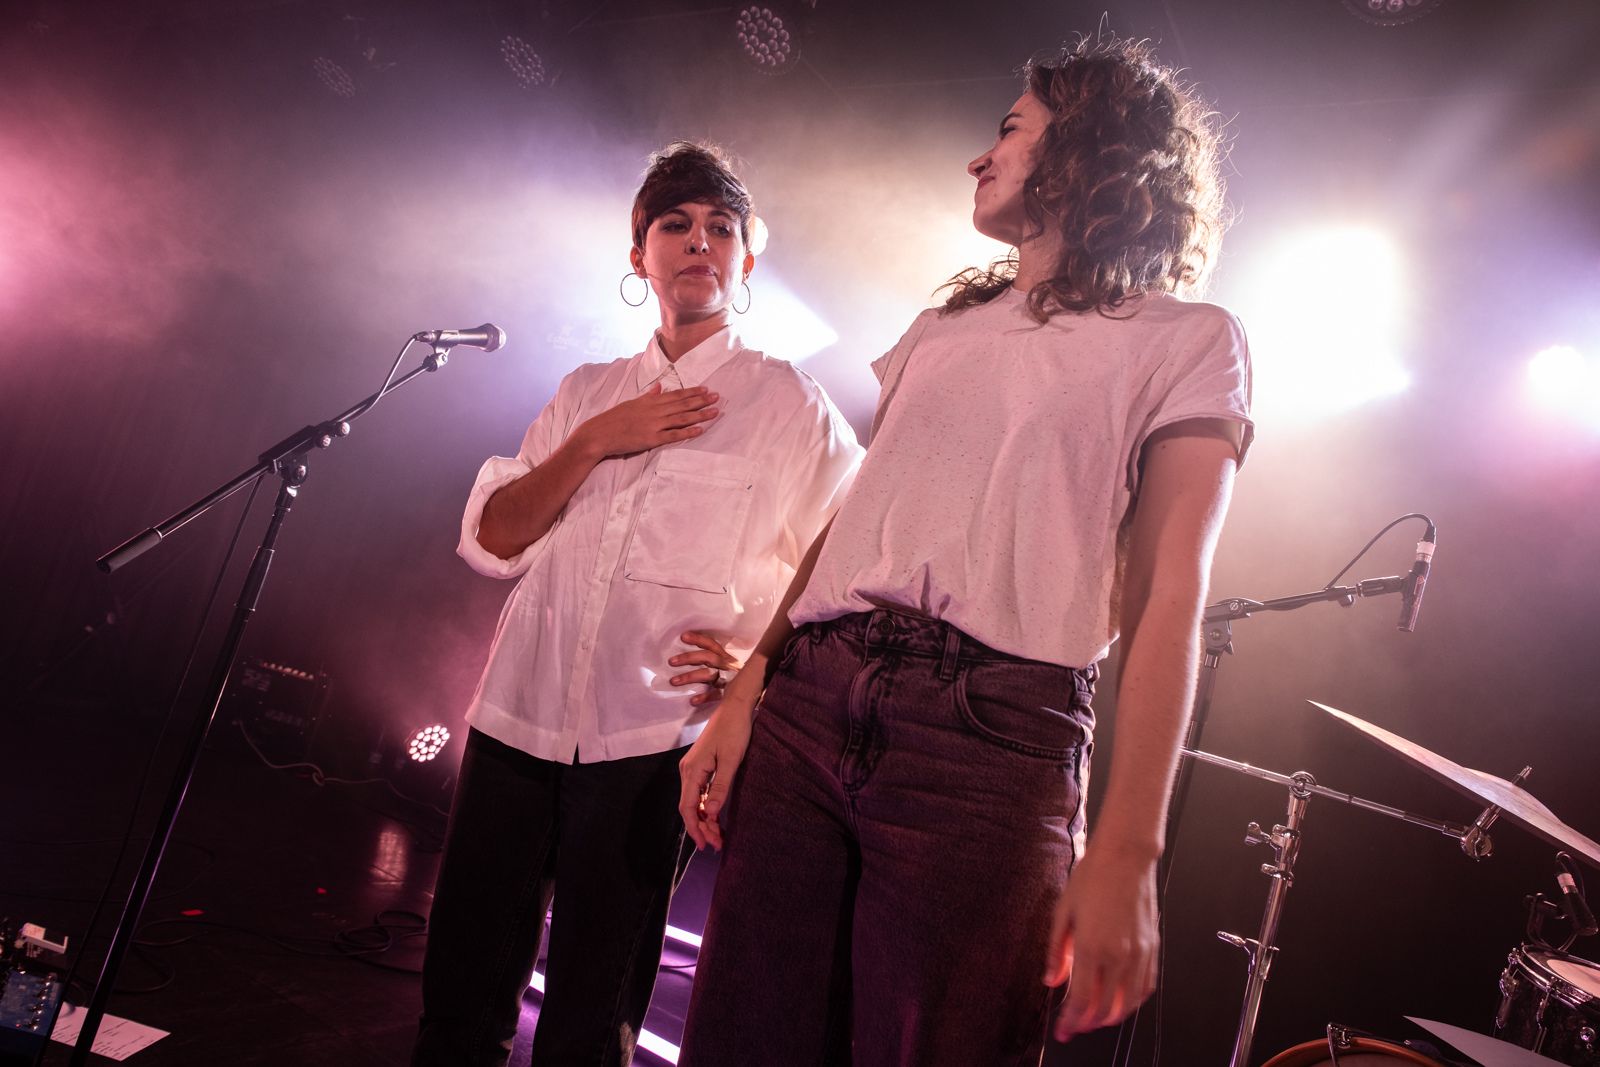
(791, 648)
(1023, 706)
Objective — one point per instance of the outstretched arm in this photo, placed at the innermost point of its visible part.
(1106, 935)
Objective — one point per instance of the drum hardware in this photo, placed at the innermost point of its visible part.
(1574, 912)
(1285, 840)
(1550, 1003)
(1345, 1045)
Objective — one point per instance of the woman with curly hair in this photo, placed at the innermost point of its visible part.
(906, 879)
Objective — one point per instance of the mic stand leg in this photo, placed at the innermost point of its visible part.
(1285, 842)
(293, 474)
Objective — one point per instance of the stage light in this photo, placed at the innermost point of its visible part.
(1562, 381)
(334, 78)
(1324, 313)
(426, 743)
(781, 324)
(1391, 12)
(769, 38)
(525, 64)
(651, 1042)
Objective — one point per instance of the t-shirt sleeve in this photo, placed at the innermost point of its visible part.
(542, 438)
(821, 469)
(892, 364)
(1206, 375)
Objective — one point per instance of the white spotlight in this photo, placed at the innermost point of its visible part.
(1561, 380)
(1325, 314)
(426, 743)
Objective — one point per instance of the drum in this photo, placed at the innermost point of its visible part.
(1352, 1051)
(1550, 1003)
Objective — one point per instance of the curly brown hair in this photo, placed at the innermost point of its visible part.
(685, 172)
(1128, 171)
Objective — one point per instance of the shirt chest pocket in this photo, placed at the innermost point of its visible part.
(692, 521)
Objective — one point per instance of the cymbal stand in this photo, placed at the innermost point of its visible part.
(1284, 839)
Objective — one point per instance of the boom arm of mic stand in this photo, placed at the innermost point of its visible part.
(272, 460)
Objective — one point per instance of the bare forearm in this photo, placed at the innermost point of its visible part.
(1154, 695)
(520, 513)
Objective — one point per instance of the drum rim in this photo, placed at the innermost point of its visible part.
(1292, 1057)
(1534, 962)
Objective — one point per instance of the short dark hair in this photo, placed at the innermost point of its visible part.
(1128, 172)
(684, 172)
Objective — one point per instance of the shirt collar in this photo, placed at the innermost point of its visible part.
(694, 366)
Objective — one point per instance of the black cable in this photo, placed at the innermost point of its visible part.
(166, 727)
(389, 929)
(424, 838)
(388, 378)
(1431, 531)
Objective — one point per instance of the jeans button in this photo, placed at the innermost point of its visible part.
(885, 626)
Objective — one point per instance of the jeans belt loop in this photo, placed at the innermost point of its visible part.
(952, 654)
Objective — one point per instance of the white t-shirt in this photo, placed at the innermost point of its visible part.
(703, 534)
(997, 486)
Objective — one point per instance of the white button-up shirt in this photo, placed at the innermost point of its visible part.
(702, 535)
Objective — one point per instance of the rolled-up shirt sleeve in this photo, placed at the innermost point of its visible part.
(544, 436)
(497, 471)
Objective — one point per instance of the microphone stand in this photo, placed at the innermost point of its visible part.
(1217, 637)
(286, 459)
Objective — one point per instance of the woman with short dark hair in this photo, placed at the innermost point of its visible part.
(629, 592)
(1052, 457)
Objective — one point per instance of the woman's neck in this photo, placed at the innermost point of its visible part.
(680, 334)
(1036, 259)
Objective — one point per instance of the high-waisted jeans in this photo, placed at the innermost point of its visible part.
(909, 808)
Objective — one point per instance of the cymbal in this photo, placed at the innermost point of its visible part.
(1485, 1050)
(1514, 802)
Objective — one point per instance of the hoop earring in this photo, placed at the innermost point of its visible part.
(748, 297)
(624, 295)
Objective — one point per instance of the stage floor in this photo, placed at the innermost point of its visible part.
(249, 951)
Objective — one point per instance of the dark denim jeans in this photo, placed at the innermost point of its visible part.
(908, 810)
(606, 840)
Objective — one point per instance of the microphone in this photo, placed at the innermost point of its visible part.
(1578, 913)
(1411, 591)
(487, 337)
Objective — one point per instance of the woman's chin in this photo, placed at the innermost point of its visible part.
(693, 310)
